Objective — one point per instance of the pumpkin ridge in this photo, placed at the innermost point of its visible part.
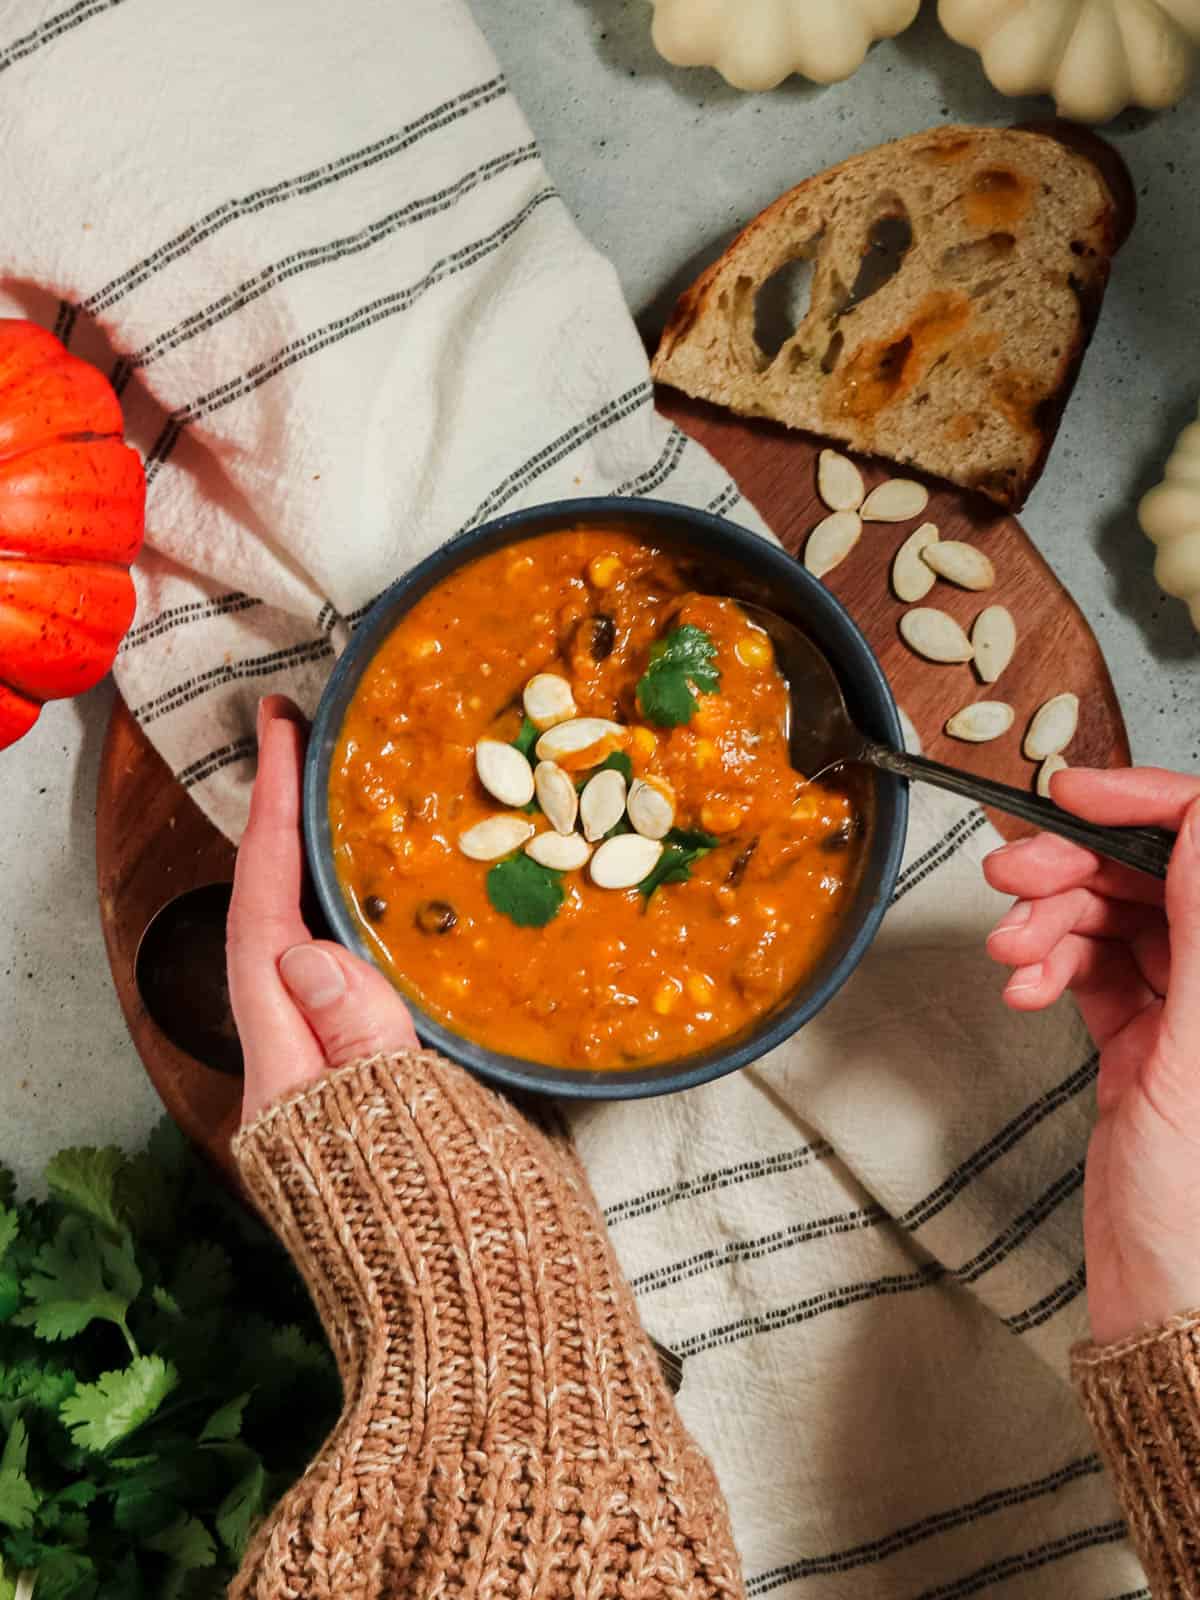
(72, 495)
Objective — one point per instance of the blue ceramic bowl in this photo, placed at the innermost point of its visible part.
(728, 561)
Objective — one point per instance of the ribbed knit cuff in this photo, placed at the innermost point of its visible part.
(506, 1427)
(1142, 1398)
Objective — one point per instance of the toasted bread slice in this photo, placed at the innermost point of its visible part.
(956, 278)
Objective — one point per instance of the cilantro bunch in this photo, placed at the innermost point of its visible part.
(163, 1378)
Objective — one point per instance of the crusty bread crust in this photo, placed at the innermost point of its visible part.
(958, 364)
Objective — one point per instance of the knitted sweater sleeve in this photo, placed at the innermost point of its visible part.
(506, 1430)
(1142, 1397)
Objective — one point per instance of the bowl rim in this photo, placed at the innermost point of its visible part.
(516, 1072)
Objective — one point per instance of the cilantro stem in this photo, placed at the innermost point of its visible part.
(129, 1339)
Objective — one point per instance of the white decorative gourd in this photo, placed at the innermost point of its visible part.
(1094, 56)
(1170, 516)
(755, 44)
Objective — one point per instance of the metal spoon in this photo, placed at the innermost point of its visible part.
(822, 736)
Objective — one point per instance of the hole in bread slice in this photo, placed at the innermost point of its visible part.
(888, 242)
(782, 303)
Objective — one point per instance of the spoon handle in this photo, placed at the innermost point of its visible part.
(1146, 849)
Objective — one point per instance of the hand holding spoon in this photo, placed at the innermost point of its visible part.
(822, 736)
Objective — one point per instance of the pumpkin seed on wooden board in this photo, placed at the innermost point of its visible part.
(557, 796)
(895, 500)
(1053, 727)
(622, 862)
(839, 482)
(602, 804)
(572, 738)
(935, 635)
(960, 564)
(504, 772)
(495, 837)
(561, 852)
(651, 807)
(978, 723)
(831, 541)
(548, 700)
(912, 579)
(994, 636)
(1046, 771)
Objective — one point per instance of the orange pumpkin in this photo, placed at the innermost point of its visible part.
(72, 495)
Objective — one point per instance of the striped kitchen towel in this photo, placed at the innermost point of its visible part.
(349, 317)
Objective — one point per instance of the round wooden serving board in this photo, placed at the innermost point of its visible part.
(152, 842)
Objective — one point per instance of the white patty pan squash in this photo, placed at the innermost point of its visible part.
(1094, 56)
(756, 44)
(1170, 516)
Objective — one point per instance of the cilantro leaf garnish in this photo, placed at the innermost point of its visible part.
(618, 761)
(679, 665)
(524, 742)
(526, 738)
(692, 839)
(524, 891)
(682, 848)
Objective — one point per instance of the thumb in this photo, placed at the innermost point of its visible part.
(350, 1006)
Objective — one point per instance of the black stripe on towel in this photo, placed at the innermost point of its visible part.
(753, 1249)
(725, 501)
(330, 172)
(815, 1305)
(876, 1550)
(182, 694)
(740, 1250)
(1041, 1555)
(318, 256)
(240, 750)
(939, 854)
(612, 412)
(652, 1200)
(332, 333)
(1021, 1227)
(53, 28)
(1049, 1305)
(549, 455)
(655, 476)
(999, 1145)
(192, 611)
(938, 847)
(836, 1298)
(64, 322)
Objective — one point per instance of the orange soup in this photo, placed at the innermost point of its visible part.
(643, 874)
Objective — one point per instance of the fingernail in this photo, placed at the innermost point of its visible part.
(312, 976)
(1016, 918)
(1026, 978)
(260, 720)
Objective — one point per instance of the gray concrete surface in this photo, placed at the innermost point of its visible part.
(660, 165)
